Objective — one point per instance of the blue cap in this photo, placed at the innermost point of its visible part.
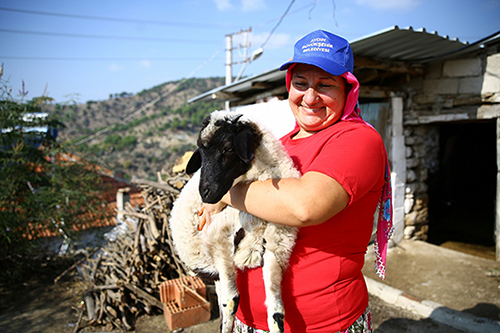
(325, 50)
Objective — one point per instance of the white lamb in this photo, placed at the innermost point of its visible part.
(234, 149)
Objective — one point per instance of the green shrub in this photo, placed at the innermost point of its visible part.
(41, 189)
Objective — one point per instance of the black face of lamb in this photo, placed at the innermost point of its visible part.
(224, 155)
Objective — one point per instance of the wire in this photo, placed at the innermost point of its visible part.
(96, 59)
(189, 25)
(59, 34)
(289, 13)
(153, 102)
(286, 13)
(277, 24)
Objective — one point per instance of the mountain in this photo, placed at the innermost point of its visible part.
(137, 135)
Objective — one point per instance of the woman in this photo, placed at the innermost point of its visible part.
(344, 166)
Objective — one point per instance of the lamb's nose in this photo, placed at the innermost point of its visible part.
(205, 193)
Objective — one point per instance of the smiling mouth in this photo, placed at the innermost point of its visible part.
(312, 110)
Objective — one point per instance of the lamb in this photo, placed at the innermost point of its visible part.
(233, 149)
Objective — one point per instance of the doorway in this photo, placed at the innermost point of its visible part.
(462, 194)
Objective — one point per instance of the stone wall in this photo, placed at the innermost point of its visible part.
(452, 90)
(422, 149)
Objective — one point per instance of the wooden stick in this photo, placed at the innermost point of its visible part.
(66, 271)
(161, 186)
(144, 294)
(77, 326)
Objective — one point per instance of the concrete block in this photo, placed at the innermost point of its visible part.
(462, 67)
(470, 85)
(491, 83)
(493, 64)
(441, 86)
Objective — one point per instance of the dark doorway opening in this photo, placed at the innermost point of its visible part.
(462, 194)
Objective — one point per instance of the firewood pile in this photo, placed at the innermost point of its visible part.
(122, 278)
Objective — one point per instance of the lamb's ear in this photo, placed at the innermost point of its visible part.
(243, 146)
(194, 162)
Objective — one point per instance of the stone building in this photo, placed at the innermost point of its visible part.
(436, 103)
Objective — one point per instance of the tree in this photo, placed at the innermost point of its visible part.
(42, 186)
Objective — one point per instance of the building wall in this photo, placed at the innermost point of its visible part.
(421, 148)
(455, 90)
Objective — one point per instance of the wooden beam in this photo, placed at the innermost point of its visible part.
(262, 85)
(367, 75)
(387, 65)
(224, 95)
(374, 92)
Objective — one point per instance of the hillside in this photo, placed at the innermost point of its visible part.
(124, 135)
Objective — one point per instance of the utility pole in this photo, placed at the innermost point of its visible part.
(229, 55)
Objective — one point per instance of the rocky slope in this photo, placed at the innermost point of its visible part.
(137, 135)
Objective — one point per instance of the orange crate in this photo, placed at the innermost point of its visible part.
(182, 312)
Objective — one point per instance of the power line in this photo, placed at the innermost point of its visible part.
(112, 19)
(98, 59)
(137, 21)
(289, 13)
(277, 24)
(59, 34)
(132, 114)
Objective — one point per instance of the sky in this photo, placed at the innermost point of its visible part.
(86, 50)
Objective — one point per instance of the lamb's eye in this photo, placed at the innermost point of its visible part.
(227, 150)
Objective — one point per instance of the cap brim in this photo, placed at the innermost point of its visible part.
(326, 65)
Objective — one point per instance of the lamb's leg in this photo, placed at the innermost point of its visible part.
(273, 274)
(228, 295)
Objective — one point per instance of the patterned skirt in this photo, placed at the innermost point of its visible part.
(362, 325)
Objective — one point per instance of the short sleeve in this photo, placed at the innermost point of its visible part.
(355, 158)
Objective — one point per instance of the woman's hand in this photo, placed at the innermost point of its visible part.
(207, 210)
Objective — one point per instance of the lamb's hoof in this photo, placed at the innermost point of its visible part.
(232, 306)
(278, 323)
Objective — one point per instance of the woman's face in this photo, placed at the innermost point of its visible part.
(316, 98)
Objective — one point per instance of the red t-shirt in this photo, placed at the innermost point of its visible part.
(323, 287)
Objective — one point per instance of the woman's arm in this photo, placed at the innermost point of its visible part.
(310, 200)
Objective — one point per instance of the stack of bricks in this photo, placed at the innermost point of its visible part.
(184, 304)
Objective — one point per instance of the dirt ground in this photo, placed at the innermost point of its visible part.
(53, 308)
(37, 305)
(453, 278)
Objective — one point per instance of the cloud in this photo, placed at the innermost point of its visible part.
(277, 40)
(146, 64)
(223, 5)
(389, 4)
(246, 5)
(114, 68)
(252, 5)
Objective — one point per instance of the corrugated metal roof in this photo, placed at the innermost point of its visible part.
(404, 44)
(246, 85)
(394, 43)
